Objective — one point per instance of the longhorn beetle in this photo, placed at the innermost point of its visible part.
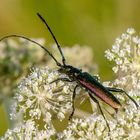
(83, 79)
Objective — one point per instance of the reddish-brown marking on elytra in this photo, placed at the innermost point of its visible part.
(100, 93)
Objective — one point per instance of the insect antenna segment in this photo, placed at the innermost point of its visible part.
(58, 46)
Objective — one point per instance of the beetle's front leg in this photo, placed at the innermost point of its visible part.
(73, 98)
(122, 91)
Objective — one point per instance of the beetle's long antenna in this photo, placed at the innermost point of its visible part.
(58, 64)
(58, 46)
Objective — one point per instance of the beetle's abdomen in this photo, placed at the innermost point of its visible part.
(99, 92)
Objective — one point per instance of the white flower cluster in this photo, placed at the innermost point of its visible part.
(92, 128)
(28, 131)
(38, 97)
(126, 126)
(126, 55)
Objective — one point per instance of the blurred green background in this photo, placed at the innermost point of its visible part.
(86, 22)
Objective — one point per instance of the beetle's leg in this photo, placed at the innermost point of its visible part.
(73, 98)
(122, 91)
(96, 101)
(62, 79)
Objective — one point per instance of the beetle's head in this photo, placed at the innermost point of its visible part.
(70, 70)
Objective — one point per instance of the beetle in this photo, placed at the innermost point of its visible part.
(83, 79)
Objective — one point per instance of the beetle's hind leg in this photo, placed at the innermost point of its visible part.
(73, 98)
(96, 101)
(122, 91)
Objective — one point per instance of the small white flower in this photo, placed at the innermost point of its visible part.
(60, 115)
(115, 48)
(115, 69)
(118, 61)
(131, 31)
(109, 55)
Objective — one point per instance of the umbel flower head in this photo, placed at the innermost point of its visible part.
(38, 97)
(126, 54)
